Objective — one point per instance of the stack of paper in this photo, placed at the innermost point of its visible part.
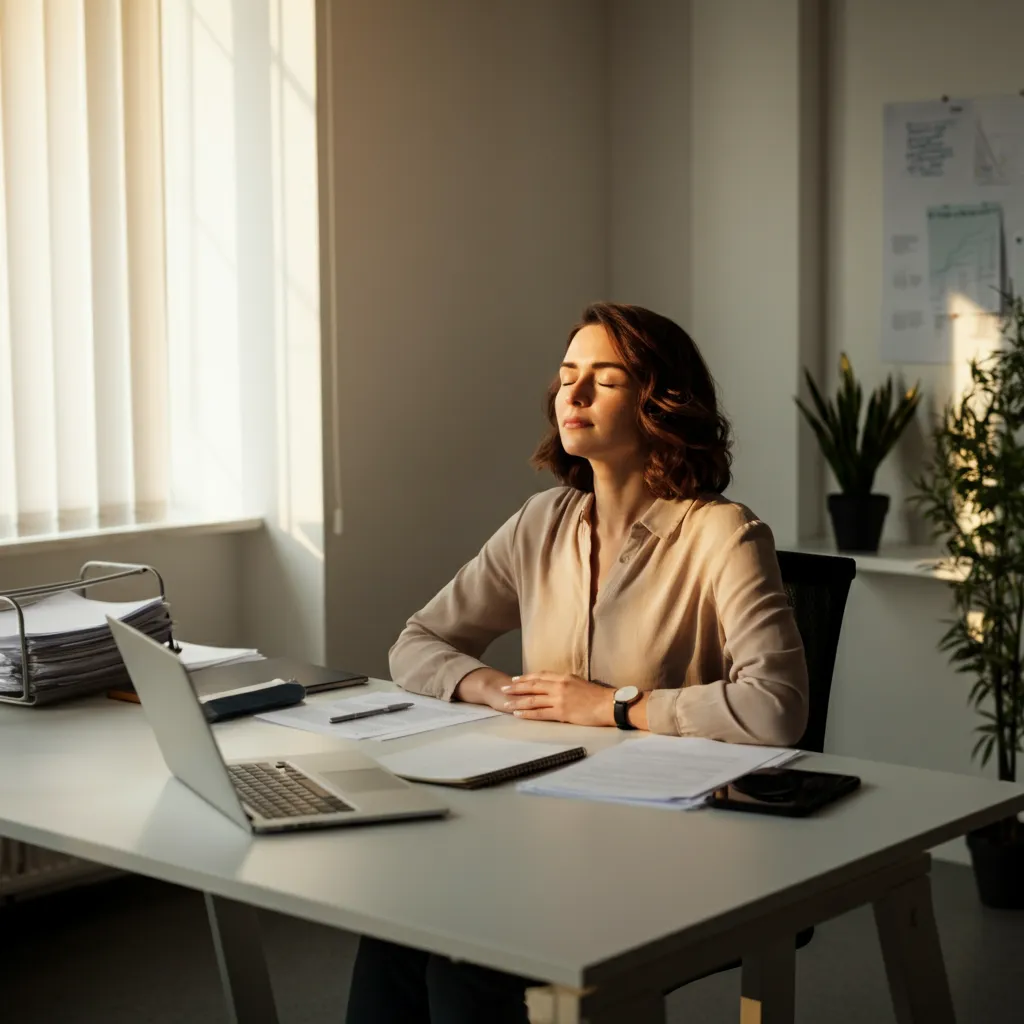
(658, 771)
(69, 645)
(197, 656)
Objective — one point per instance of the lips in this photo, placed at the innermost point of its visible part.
(574, 424)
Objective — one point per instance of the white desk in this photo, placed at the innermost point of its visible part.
(520, 883)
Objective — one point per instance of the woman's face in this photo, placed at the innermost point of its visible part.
(596, 403)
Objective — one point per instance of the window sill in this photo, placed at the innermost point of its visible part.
(90, 538)
(891, 559)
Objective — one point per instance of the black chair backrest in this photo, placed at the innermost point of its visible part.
(817, 587)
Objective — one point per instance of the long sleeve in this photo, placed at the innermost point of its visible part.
(764, 698)
(443, 641)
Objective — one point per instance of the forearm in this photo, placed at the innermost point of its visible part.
(421, 661)
(767, 712)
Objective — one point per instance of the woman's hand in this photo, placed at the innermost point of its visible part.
(483, 686)
(553, 697)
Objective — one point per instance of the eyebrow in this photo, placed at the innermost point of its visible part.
(598, 366)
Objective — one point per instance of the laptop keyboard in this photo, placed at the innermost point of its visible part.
(282, 792)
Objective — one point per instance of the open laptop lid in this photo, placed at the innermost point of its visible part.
(176, 717)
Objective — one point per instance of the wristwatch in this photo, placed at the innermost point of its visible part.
(625, 696)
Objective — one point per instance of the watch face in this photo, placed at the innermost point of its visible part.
(625, 694)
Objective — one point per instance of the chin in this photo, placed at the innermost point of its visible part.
(582, 451)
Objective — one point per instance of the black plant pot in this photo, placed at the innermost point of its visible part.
(998, 867)
(857, 520)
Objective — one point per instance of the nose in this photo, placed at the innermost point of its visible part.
(578, 394)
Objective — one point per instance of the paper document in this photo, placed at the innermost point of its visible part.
(66, 613)
(658, 771)
(197, 656)
(427, 713)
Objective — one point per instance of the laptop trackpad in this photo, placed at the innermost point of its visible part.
(363, 780)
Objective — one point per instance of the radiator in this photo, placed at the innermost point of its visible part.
(26, 870)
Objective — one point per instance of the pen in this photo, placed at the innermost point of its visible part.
(373, 711)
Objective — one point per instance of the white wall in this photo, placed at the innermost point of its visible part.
(469, 158)
(202, 577)
(896, 698)
(892, 52)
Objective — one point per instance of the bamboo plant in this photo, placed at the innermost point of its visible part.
(972, 495)
(855, 454)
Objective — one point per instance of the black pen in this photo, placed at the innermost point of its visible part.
(373, 711)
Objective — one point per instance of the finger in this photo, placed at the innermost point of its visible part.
(539, 714)
(526, 685)
(537, 700)
(538, 677)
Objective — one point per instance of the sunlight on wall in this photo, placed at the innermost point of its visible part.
(975, 335)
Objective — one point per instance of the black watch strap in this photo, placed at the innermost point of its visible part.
(622, 714)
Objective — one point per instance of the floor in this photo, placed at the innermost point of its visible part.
(135, 951)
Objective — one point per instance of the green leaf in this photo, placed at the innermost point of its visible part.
(971, 494)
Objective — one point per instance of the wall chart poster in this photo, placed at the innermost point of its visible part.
(953, 223)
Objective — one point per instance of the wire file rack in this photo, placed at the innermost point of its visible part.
(17, 600)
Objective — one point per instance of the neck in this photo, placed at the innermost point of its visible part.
(620, 499)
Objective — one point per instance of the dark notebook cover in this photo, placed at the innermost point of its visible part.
(247, 673)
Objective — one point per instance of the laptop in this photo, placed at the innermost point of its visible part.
(275, 794)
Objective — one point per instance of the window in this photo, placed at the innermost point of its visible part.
(159, 319)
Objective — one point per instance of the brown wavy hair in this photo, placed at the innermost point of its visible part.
(688, 439)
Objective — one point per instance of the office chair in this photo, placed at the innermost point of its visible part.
(817, 587)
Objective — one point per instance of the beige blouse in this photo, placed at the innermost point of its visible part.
(693, 611)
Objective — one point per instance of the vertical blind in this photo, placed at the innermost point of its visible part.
(84, 438)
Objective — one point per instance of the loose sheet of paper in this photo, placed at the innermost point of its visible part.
(197, 656)
(426, 714)
(658, 771)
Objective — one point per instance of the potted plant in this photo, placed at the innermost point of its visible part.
(855, 454)
(972, 494)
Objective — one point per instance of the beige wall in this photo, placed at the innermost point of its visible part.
(499, 165)
(649, 155)
(756, 237)
(469, 229)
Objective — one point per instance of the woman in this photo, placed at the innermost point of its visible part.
(646, 600)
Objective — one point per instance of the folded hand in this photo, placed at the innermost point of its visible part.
(555, 697)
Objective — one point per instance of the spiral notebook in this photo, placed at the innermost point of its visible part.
(476, 760)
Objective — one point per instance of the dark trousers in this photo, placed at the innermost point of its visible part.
(395, 985)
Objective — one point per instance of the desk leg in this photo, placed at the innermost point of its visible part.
(240, 959)
(913, 957)
(554, 1005)
(768, 985)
